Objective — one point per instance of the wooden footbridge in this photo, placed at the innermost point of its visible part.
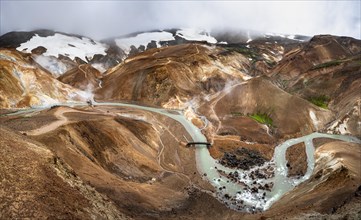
(200, 143)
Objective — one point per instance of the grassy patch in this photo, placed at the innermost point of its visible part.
(321, 101)
(327, 64)
(262, 118)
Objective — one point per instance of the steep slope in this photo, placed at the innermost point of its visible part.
(37, 184)
(326, 71)
(84, 77)
(319, 50)
(172, 75)
(23, 83)
(290, 114)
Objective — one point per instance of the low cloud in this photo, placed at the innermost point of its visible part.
(103, 19)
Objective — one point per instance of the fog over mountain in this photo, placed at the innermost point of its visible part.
(102, 19)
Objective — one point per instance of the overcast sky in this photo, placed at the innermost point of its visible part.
(101, 19)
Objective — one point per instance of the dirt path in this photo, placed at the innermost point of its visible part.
(62, 120)
(52, 126)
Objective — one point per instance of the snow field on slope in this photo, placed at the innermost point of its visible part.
(69, 46)
(195, 35)
(143, 39)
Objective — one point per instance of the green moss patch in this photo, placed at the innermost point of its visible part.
(321, 101)
(262, 118)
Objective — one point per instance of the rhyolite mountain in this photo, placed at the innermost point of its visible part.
(247, 92)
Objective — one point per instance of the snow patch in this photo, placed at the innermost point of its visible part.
(196, 35)
(69, 46)
(143, 39)
(314, 119)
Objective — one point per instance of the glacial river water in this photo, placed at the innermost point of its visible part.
(244, 190)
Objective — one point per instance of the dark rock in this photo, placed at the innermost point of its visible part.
(358, 192)
(243, 159)
(39, 50)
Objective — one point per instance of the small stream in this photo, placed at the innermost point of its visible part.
(243, 190)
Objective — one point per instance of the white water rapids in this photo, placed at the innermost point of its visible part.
(244, 190)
